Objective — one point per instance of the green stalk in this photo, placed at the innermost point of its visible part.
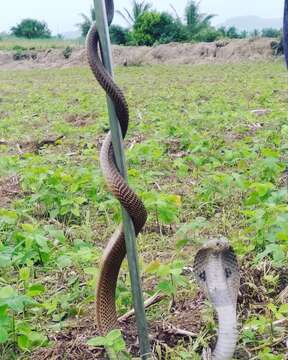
(117, 140)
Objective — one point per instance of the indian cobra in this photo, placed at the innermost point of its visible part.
(217, 273)
(215, 265)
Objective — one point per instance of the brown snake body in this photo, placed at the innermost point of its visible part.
(215, 265)
(106, 316)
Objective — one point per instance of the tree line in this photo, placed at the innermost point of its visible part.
(146, 26)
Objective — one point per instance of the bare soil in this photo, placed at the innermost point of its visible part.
(186, 315)
(217, 52)
(71, 344)
(9, 190)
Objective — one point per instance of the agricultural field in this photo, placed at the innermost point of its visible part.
(206, 165)
(13, 44)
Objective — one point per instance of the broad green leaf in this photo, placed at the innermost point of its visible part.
(36, 338)
(180, 244)
(8, 216)
(23, 342)
(167, 287)
(3, 334)
(5, 261)
(76, 211)
(28, 228)
(114, 335)
(283, 309)
(35, 290)
(97, 341)
(42, 242)
(115, 340)
(164, 270)
(7, 292)
(64, 261)
(153, 266)
(262, 189)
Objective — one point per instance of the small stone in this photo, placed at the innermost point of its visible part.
(260, 112)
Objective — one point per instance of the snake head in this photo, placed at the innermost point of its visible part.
(216, 245)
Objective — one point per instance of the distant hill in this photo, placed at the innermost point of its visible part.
(251, 23)
(71, 35)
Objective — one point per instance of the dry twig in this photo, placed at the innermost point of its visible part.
(149, 302)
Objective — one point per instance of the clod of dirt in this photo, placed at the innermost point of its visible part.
(9, 189)
(24, 56)
(30, 146)
(78, 120)
(260, 112)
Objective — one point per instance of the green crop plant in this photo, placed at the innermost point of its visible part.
(204, 165)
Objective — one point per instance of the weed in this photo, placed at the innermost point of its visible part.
(203, 166)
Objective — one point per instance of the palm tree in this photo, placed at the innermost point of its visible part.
(175, 12)
(196, 21)
(138, 9)
(87, 22)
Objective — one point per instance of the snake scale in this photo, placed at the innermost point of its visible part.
(215, 264)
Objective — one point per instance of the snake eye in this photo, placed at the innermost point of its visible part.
(202, 276)
(228, 273)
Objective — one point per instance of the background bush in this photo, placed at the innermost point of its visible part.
(31, 29)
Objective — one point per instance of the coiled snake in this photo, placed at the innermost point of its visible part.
(106, 316)
(215, 265)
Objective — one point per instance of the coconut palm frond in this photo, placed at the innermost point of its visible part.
(138, 8)
(175, 12)
(207, 18)
(124, 17)
(129, 16)
(92, 14)
(195, 20)
(85, 17)
(85, 25)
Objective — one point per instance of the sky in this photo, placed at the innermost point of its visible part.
(62, 15)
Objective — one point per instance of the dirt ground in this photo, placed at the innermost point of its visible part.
(174, 53)
(185, 319)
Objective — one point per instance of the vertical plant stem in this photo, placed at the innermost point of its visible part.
(14, 330)
(117, 141)
(40, 255)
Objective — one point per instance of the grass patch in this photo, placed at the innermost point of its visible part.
(205, 165)
(20, 44)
